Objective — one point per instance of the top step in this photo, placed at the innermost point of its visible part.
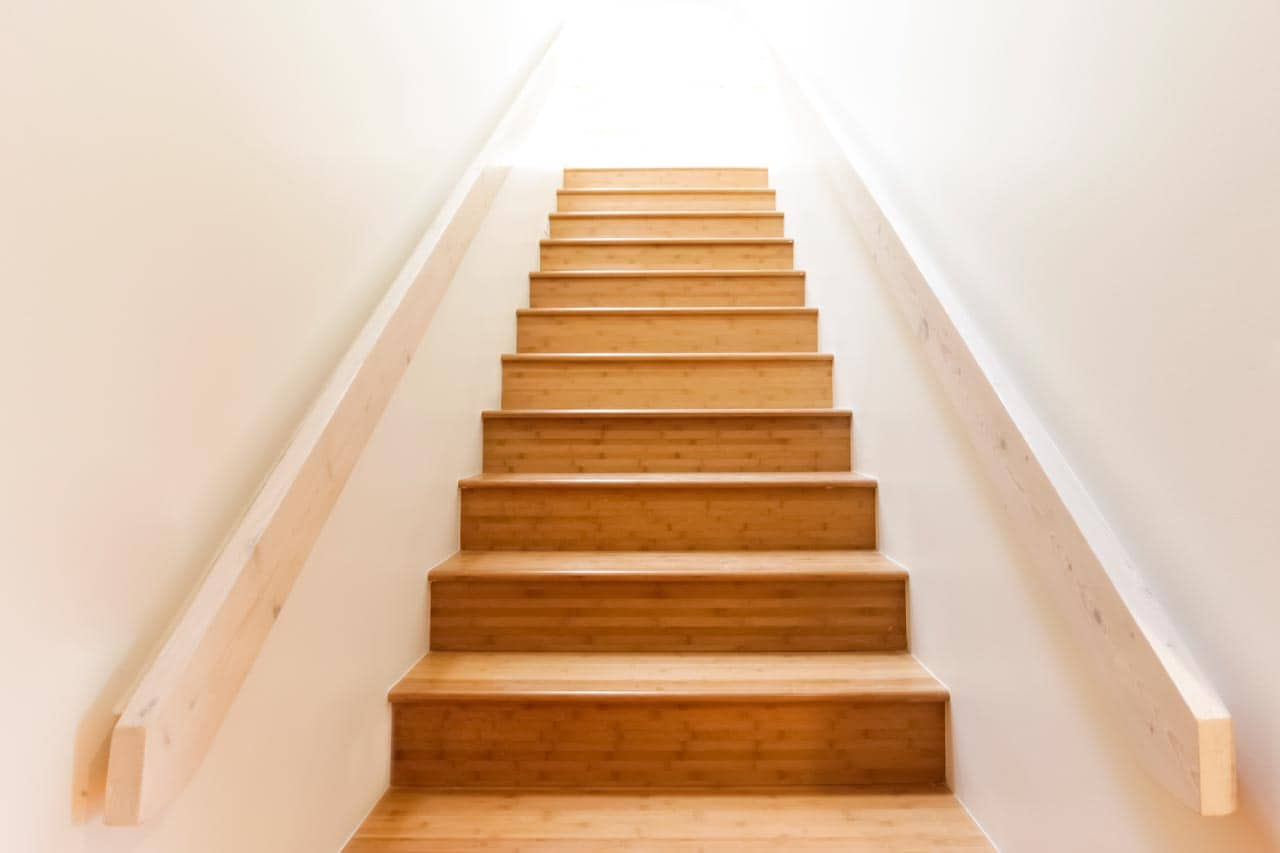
(739, 177)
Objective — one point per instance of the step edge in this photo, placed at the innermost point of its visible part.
(554, 242)
(668, 356)
(669, 311)
(665, 214)
(661, 273)
(533, 414)
(764, 479)
(663, 190)
(852, 695)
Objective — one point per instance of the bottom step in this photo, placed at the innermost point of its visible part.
(667, 720)
(411, 820)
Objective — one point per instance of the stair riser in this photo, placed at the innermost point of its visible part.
(657, 518)
(700, 201)
(703, 225)
(558, 444)
(675, 384)
(655, 178)
(665, 291)
(783, 332)
(566, 743)
(667, 256)
(586, 614)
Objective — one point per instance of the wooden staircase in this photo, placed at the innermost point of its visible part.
(668, 628)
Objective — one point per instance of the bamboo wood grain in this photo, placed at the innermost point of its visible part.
(884, 678)
(736, 223)
(680, 176)
(667, 512)
(1175, 721)
(865, 820)
(667, 330)
(666, 253)
(648, 288)
(563, 612)
(704, 199)
(584, 441)
(700, 380)
(678, 565)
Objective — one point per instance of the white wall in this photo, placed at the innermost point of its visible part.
(1098, 184)
(199, 205)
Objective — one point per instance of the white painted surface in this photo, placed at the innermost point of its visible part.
(201, 204)
(1097, 183)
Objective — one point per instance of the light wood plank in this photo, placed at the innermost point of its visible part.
(680, 176)
(586, 441)
(563, 612)
(649, 288)
(708, 380)
(667, 330)
(648, 512)
(685, 565)
(650, 253)
(868, 820)
(884, 678)
(736, 223)
(665, 199)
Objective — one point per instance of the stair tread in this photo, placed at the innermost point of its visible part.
(697, 479)
(666, 214)
(683, 241)
(678, 565)
(860, 820)
(663, 311)
(661, 190)
(663, 413)
(854, 676)
(665, 273)
(668, 356)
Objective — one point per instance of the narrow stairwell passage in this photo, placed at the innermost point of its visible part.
(668, 628)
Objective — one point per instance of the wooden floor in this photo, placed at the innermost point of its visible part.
(924, 819)
(668, 628)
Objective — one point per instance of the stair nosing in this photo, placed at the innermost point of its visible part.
(683, 480)
(668, 356)
(667, 310)
(663, 241)
(568, 566)
(663, 214)
(517, 414)
(663, 190)
(666, 273)
(778, 686)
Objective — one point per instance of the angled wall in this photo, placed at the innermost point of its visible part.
(1097, 184)
(201, 205)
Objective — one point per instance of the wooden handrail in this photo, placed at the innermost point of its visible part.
(171, 716)
(1179, 727)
